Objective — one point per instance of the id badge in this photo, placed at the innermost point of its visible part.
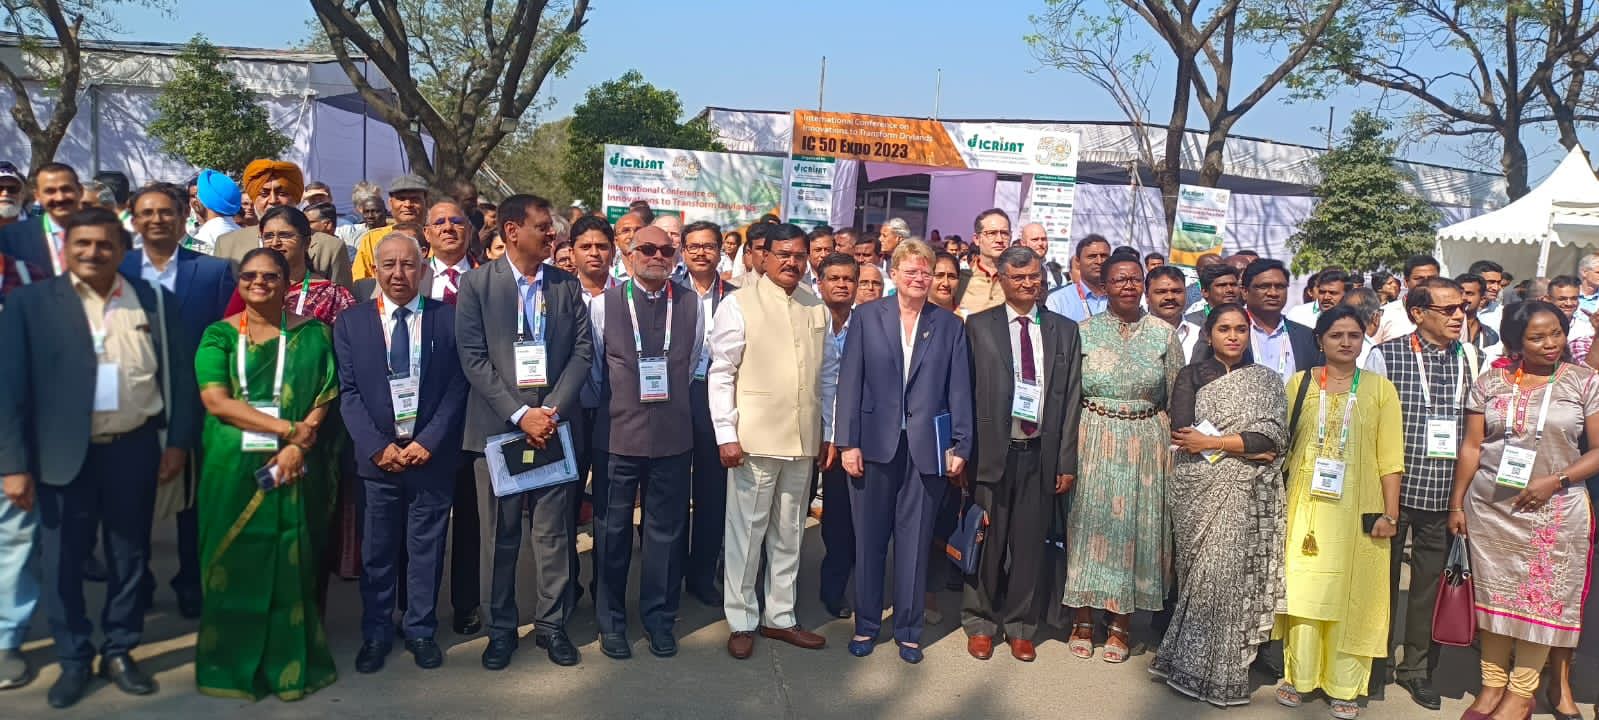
(99, 342)
(1328, 479)
(532, 363)
(652, 386)
(704, 368)
(1442, 440)
(107, 381)
(261, 442)
(403, 397)
(1515, 468)
(1024, 402)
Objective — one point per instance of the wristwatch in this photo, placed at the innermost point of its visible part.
(1565, 481)
(1390, 519)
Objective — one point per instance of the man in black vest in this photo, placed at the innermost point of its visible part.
(648, 332)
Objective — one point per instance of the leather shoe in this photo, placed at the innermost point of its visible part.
(797, 636)
(189, 602)
(559, 647)
(741, 644)
(837, 609)
(1421, 691)
(616, 646)
(861, 648)
(126, 675)
(69, 688)
(1022, 649)
(371, 656)
(15, 670)
(426, 652)
(909, 654)
(497, 656)
(663, 643)
(468, 624)
(980, 646)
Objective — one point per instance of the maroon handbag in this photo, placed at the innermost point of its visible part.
(1454, 615)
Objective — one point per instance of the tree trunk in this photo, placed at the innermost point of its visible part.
(1169, 173)
(1210, 171)
(1513, 160)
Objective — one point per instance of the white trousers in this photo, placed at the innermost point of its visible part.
(766, 502)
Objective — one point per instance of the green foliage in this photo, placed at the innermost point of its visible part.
(207, 119)
(1366, 220)
(535, 161)
(625, 111)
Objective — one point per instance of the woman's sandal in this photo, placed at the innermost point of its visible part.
(1344, 709)
(1081, 646)
(1287, 696)
(1115, 654)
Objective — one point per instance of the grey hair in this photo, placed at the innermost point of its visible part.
(561, 227)
(397, 235)
(364, 191)
(899, 227)
(1365, 302)
(1017, 256)
(1588, 262)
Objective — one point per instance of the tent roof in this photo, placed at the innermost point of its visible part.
(1570, 195)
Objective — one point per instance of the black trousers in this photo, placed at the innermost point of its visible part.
(114, 492)
(465, 541)
(838, 535)
(403, 528)
(1428, 531)
(665, 483)
(708, 500)
(1001, 599)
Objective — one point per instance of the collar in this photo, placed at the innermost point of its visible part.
(694, 285)
(1427, 346)
(978, 267)
(1282, 326)
(414, 306)
(1035, 317)
(82, 288)
(463, 267)
(538, 275)
(172, 263)
(1588, 296)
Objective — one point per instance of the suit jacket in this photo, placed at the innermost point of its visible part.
(326, 256)
(367, 288)
(47, 379)
(24, 240)
(485, 336)
(873, 397)
(994, 372)
(1307, 354)
(203, 288)
(364, 400)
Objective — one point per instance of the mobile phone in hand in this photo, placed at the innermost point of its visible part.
(267, 477)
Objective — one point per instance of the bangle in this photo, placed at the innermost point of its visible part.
(1458, 509)
(290, 433)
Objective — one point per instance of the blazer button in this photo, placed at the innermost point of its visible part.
(907, 413)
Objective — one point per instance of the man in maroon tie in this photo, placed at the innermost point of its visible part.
(449, 233)
(1026, 361)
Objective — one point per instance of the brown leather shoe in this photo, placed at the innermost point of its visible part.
(741, 645)
(797, 636)
(1022, 650)
(980, 646)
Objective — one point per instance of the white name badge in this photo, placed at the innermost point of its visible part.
(652, 386)
(106, 383)
(704, 368)
(1442, 440)
(403, 396)
(261, 442)
(532, 363)
(1515, 468)
(1024, 402)
(1328, 479)
(99, 342)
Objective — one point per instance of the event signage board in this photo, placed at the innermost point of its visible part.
(809, 201)
(1201, 223)
(1050, 202)
(729, 189)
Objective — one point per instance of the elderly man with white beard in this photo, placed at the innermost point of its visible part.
(12, 188)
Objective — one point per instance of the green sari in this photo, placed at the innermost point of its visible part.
(261, 551)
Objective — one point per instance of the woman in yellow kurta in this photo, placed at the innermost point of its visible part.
(1336, 615)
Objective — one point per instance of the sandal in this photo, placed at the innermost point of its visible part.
(1288, 697)
(1344, 709)
(1081, 646)
(1114, 654)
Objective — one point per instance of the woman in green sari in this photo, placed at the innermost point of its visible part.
(261, 541)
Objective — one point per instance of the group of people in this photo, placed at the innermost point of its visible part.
(311, 400)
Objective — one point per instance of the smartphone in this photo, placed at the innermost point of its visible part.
(1368, 521)
(267, 477)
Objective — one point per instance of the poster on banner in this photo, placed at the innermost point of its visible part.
(1022, 149)
(729, 189)
(1050, 202)
(809, 200)
(1201, 223)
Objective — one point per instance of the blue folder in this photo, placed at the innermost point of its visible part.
(944, 432)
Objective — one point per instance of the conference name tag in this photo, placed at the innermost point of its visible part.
(403, 390)
(1515, 468)
(1024, 402)
(1328, 479)
(701, 370)
(258, 441)
(1442, 440)
(652, 386)
(107, 382)
(532, 363)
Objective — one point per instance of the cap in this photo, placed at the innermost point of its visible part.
(577, 203)
(406, 183)
(218, 192)
(8, 170)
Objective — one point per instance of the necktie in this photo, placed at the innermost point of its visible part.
(1029, 373)
(400, 342)
(451, 276)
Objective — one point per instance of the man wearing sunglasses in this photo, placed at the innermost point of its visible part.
(1433, 371)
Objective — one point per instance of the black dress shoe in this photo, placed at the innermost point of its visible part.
(189, 602)
(426, 652)
(559, 647)
(838, 610)
(468, 624)
(498, 654)
(1421, 691)
(15, 670)
(616, 646)
(69, 688)
(126, 675)
(370, 659)
(663, 643)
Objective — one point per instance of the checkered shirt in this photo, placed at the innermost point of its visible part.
(1427, 482)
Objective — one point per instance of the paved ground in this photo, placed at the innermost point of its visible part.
(702, 682)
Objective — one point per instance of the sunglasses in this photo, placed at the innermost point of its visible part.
(650, 250)
(1450, 309)
(251, 276)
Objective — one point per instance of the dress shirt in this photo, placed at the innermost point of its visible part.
(521, 285)
(1188, 333)
(441, 280)
(1366, 346)
(597, 327)
(1305, 313)
(1395, 321)
(707, 310)
(205, 239)
(727, 351)
(1036, 334)
(1581, 325)
(832, 361)
(167, 277)
(1491, 315)
(589, 395)
(1064, 300)
(1588, 302)
(983, 290)
(130, 345)
(1273, 349)
(407, 428)
(1197, 306)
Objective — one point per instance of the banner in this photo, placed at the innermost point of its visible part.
(1050, 203)
(1049, 149)
(1201, 223)
(728, 189)
(809, 200)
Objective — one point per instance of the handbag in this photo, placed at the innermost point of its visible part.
(965, 545)
(1454, 615)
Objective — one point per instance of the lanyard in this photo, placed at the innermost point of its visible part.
(1287, 343)
(305, 289)
(1426, 384)
(416, 339)
(283, 349)
(57, 243)
(1321, 414)
(105, 317)
(632, 313)
(537, 285)
(1543, 409)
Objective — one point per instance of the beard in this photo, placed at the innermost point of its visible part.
(10, 210)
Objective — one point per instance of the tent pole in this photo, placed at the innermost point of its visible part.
(1543, 250)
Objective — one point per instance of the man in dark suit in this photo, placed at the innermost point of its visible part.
(403, 395)
(522, 330)
(905, 364)
(1027, 364)
(1274, 341)
(80, 407)
(202, 285)
(40, 240)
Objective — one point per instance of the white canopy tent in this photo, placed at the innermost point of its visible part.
(1560, 217)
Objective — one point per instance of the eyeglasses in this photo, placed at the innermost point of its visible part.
(1448, 310)
(281, 237)
(788, 257)
(648, 250)
(251, 276)
(916, 274)
(994, 233)
(449, 221)
(1127, 281)
(701, 248)
(1025, 278)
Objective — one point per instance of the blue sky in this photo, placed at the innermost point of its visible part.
(882, 57)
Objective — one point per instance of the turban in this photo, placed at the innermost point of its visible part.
(218, 192)
(263, 171)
